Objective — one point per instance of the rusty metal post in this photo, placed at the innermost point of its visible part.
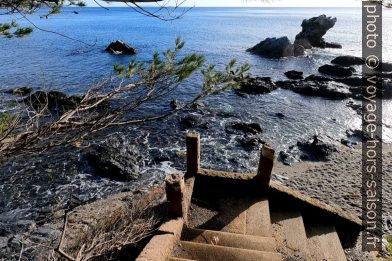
(266, 164)
(192, 153)
(175, 194)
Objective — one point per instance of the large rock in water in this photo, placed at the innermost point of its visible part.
(316, 149)
(257, 85)
(247, 128)
(313, 30)
(119, 47)
(55, 101)
(116, 159)
(276, 48)
(348, 60)
(23, 91)
(330, 90)
(294, 75)
(336, 70)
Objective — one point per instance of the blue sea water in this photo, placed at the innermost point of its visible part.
(45, 59)
(48, 61)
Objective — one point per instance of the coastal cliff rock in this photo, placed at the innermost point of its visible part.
(116, 159)
(120, 47)
(256, 85)
(313, 30)
(277, 48)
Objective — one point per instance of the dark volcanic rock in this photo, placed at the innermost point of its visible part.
(329, 90)
(316, 148)
(351, 81)
(116, 159)
(333, 45)
(385, 67)
(355, 106)
(336, 70)
(56, 101)
(276, 48)
(119, 47)
(348, 143)
(384, 91)
(294, 75)
(159, 155)
(250, 143)
(197, 106)
(348, 60)
(194, 121)
(387, 89)
(318, 78)
(257, 85)
(20, 91)
(247, 128)
(279, 115)
(289, 84)
(190, 121)
(174, 104)
(357, 134)
(313, 30)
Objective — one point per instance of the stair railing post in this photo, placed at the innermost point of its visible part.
(175, 195)
(266, 163)
(192, 154)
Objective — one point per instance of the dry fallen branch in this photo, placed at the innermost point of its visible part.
(123, 228)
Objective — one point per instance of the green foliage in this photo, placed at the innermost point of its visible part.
(169, 69)
(165, 68)
(119, 68)
(6, 120)
(231, 77)
(23, 31)
(12, 29)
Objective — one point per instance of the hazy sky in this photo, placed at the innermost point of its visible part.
(265, 3)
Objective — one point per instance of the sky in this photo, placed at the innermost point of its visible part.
(261, 3)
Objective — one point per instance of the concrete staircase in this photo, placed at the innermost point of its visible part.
(227, 216)
(254, 233)
(237, 234)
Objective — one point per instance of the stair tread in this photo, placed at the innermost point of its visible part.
(326, 243)
(294, 231)
(258, 220)
(206, 252)
(229, 239)
(233, 215)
